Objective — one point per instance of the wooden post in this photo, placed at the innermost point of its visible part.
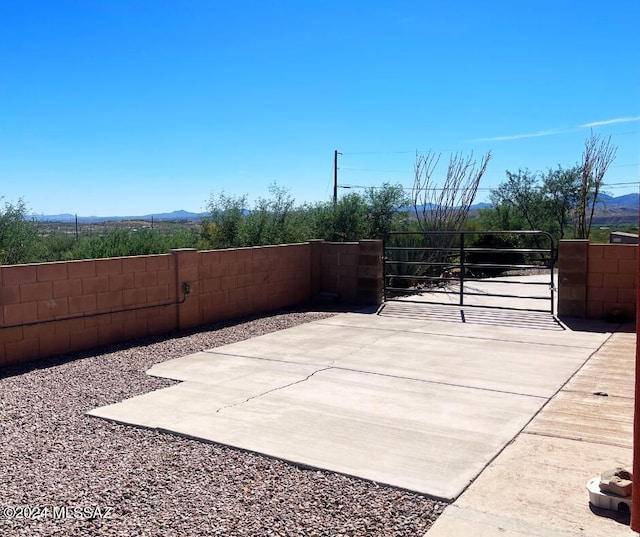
(635, 491)
(335, 177)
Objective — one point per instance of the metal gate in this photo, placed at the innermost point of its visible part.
(497, 269)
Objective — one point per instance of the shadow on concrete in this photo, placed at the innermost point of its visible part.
(471, 315)
(588, 325)
(622, 517)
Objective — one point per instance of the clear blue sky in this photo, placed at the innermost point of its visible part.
(125, 107)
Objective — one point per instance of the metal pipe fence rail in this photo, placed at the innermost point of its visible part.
(416, 263)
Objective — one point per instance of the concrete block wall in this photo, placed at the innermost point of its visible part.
(244, 281)
(370, 272)
(611, 280)
(597, 281)
(352, 270)
(55, 308)
(339, 269)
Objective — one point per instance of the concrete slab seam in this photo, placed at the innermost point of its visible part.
(346, 325)
(362, 371)
(456, 336)
(438, 382)
(263, 358)
(533, 417)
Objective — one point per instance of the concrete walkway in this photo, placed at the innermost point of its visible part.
(536, 486)
(422, 399)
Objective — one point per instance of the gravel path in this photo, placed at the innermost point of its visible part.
(64, 473)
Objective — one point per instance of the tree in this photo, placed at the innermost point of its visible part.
(560, 189)
(535, 201)
(597, 157)
(557, 201)
(383, 210)
(19, 242)
(519, 202)
(371, 215)
(222, 228)
(275, 220)
(444, 208)
(347, 219)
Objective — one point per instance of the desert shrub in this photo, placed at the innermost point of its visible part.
(19, 241)
(497, 253)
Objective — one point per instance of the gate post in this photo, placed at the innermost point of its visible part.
(461, 269)
(572, 278)
(370, 273)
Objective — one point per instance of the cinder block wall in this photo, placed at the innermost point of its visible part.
(611, 280)
(353, 271)
(244, 281)
(54, 308)
(339, 269)
(597, 281)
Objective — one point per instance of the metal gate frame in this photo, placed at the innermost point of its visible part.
(461, 270)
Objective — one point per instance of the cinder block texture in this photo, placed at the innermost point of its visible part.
(597, 281)
(78, 305)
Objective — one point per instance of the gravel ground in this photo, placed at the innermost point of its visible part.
(64, 473)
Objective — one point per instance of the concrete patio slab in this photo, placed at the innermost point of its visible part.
(514, 360)
(414, 404)
(246, 375)
(537, 486)
(385, 429)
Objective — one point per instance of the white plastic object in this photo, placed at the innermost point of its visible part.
(607, 500)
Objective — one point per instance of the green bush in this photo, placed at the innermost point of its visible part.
(493, 257)
(19, 241)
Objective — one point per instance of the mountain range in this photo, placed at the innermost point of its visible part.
(627, 204)
(175, 216)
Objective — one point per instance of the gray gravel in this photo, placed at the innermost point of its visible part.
(64, 473)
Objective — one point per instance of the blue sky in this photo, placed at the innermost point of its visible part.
(125, 107)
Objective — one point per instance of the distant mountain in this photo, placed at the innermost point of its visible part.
(616, 210)
(172, 216)
(626, 204)
(628, 200)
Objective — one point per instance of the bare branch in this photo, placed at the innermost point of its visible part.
(597, 157)
(445, 207)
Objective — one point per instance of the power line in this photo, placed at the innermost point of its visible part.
(412, 152)
(407, 188)
(481, 189)
(350, 168)
(378, 152)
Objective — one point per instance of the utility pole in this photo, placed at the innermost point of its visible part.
(335, 176)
